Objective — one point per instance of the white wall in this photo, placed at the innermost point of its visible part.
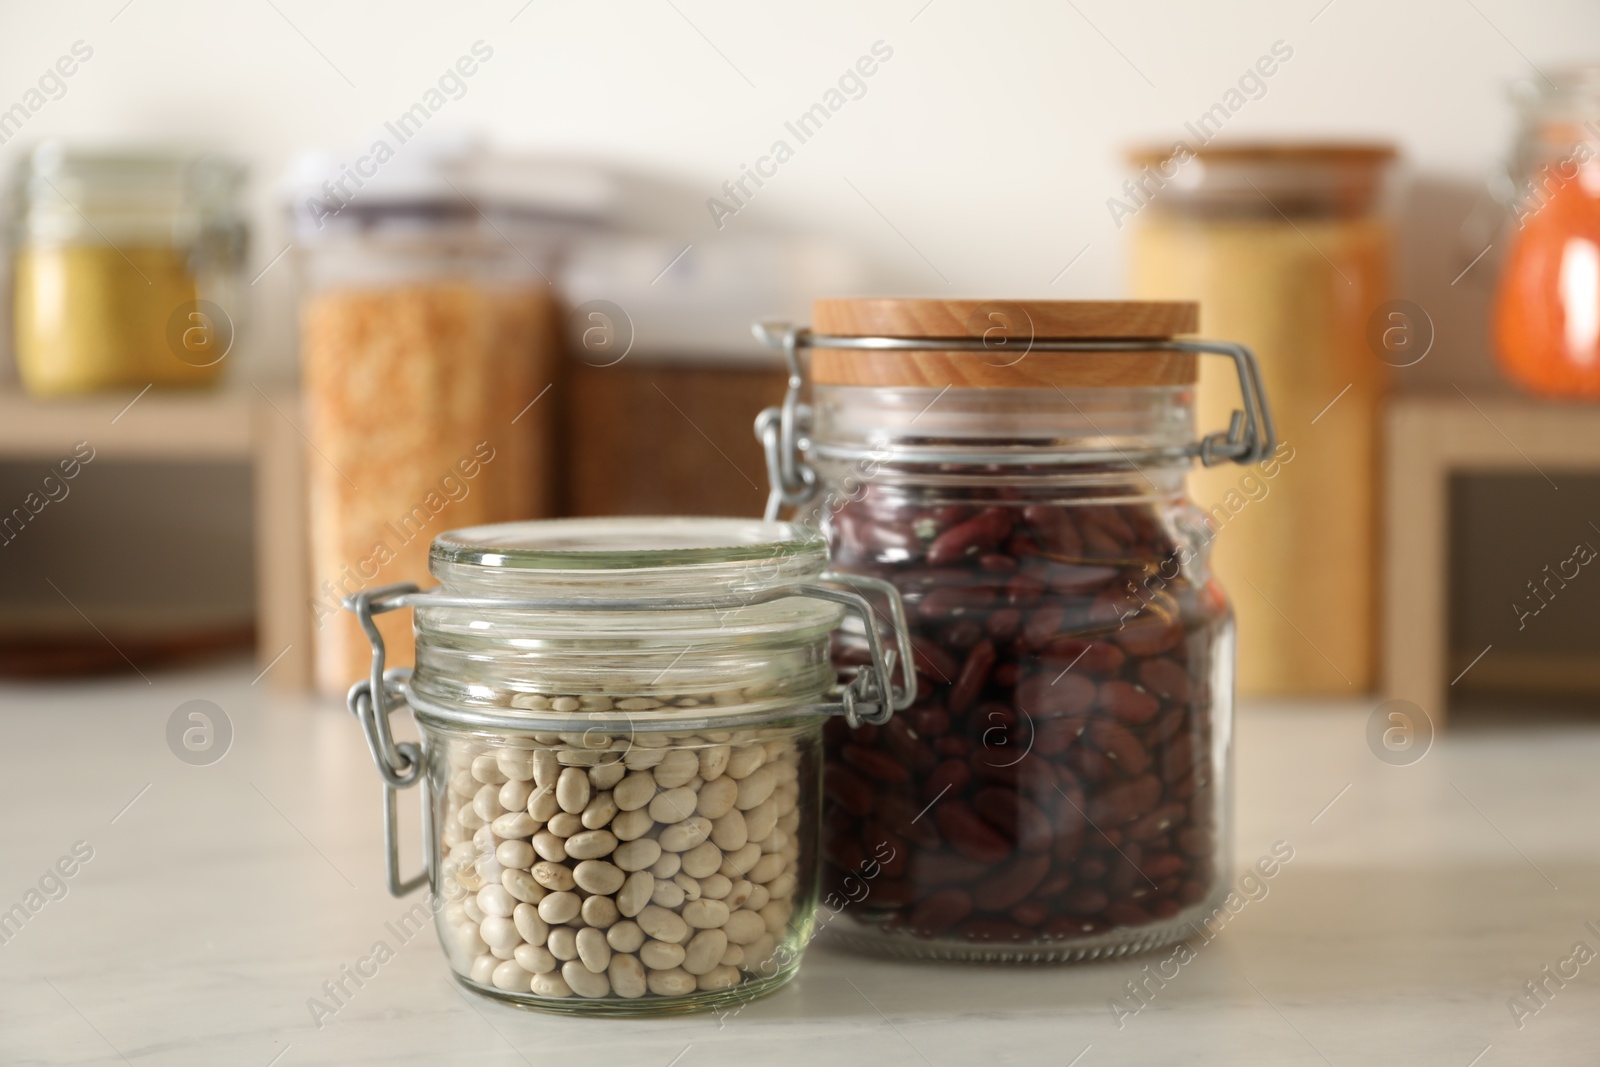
(990, 140)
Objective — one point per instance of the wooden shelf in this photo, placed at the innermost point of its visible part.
(1429, 439)
(158, 425)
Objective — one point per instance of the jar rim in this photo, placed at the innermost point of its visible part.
(622, 544)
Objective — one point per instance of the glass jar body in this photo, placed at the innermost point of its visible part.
(599, 873)
(1061, 788)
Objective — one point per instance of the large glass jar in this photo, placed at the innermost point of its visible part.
(1547, 311)
(621, 724)
(1060, 789)
(127, 268)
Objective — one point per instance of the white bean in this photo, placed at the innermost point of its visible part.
(535, 959)
(510, 976)
(719, 977)
(706, 915)
(549, 846)
(625, 936)
(668, 894)
(636, 855)
(598, 876)
(744, 927)
(593, 949)
(563, 943)
(514, 854)
(550, 985)
(704, 951)
(729, 831)
(713, 761)
(530, 927)
(673, 983)
(660, 924)
(661, 956)
(668, 865)
(600, 912)
(601, 810)
(515, 824)
(717, 798)
(521, 885)
(590, 844)
(679, 766)
(564, 824)
(702, 860)
(632, 825)
(755, 788)
(627, 976)
(498, 932)
(494, 900)
(634, 791)
(635, 893)
(608, 774)
(744, 760)
(558, 908)
(572, 790)
(682, 836)
(674, 805)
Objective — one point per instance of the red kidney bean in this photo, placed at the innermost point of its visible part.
(1062, 682)
(996, 563)
(978, 534)
(1015, 816)
(1117, 742)
(1044, 696)
(1078, 577)
(934, 661)
(952, 774)
(974, 673)
(1125, 800)
(1098, 658)
(1029, 912)
(970, 836)
(1004, 624)
(1128, 702)
(844, 786)
(875, 764)
(1165, 679)
(1011, 883)
(939, 911)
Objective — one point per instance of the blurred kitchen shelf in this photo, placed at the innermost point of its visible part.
(238, 424)
(1429, 440)
(152, 425)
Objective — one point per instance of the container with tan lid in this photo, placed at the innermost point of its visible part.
(1016, 469)
(1287, 247)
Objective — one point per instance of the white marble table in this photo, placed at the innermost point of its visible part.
(220, 898)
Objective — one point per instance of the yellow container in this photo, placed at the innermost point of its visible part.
(1287, 251)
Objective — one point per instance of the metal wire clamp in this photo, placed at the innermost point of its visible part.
(783, 431)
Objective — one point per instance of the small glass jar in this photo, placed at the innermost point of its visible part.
(621, 724)
(1060, 789)
(1547, 310)
(126, 268)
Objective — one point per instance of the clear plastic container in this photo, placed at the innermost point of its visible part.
(1060, 789)
(621, 725)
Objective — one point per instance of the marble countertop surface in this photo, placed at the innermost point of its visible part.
(219, 896)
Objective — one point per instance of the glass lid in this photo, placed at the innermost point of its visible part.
(624, 544)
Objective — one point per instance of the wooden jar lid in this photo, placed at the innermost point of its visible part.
(1010, 364)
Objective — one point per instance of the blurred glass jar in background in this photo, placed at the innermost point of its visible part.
(126, 267)
(1287, 248)
(428, 329)
(1547, 313)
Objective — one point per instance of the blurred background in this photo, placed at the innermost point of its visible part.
(293, 287)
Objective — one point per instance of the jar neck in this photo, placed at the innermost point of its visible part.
(1114, 434)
